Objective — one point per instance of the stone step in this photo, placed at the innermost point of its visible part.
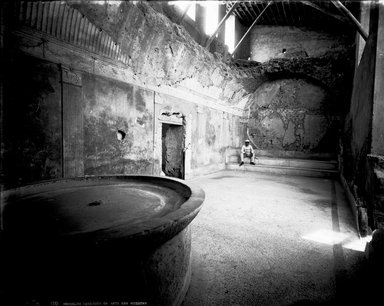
(289, 162)
(282, 170)
(286, 154)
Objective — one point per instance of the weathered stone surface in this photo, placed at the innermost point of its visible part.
(293, 114)
(164, 53)
(109, 107)
(333, 70)
(315, 127)
(289, 137)
(161, 54)
(268, 42)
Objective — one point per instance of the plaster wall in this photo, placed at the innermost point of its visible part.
(162, 53)
(109, 107)
(40, 142)
(146, 53)
(103, 96)
(31, 126)
(268, 42)
(293, 115)
(151, 51)
(208, 132)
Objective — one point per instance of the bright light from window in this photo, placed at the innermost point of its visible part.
(212, 16)
(230, 33)
(326, 236)
(358, 244)
(330, 237)
(183, 5)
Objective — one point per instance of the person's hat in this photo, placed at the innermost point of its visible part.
(246, 140)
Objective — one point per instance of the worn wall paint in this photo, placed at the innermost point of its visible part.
(73, 132)
(31, 121)
(163, 54)
(97, 107)
(157, 52)
(212, 132)
(268, 42)
(111, 106)
(293, 115)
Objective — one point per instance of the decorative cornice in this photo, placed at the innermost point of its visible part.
(65, 23)
(47, 47)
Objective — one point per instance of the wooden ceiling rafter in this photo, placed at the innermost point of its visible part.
(282, 12)
(248, 10)
(248, 17)
(289, 13)
(281, 16)
(185, 12)
(252, 8)
(240, 14)
(300, 13)
(221, 23)
(350, 16)
(275, 16)
(267, 14)
(328, 13)
(253, 24)
(297, 13)
(258, 11)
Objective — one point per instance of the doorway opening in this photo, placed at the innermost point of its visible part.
(173, 150)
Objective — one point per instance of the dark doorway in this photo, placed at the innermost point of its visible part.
(172, 150)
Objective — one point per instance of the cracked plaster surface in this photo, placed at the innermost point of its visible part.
(163, 53)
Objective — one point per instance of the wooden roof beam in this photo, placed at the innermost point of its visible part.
(251, 8)
(297, 12)
(316, 7)
(222, 22)
(251, 27)
(243, 12)
(284, 13)
(185, 12)
(352, 18)
(281, 17)
(248, 11)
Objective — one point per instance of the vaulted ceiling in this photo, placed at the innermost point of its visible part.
(318, 14)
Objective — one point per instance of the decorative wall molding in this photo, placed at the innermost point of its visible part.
(65, 23)
(71, 77)
(171, 118)
(72, 56)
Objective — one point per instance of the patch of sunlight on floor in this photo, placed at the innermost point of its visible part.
(326, 236)
(358, 244)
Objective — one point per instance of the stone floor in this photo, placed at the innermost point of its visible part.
(265, 239)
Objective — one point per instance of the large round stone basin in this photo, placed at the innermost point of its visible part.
(108, 238)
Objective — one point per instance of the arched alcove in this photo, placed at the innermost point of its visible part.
(293, 114)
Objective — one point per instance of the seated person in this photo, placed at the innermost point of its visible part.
(247, 151)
